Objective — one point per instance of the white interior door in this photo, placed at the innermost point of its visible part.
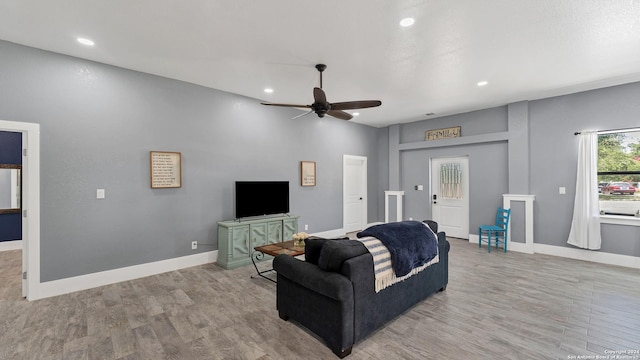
(25, 226)
(30, 205)
(354, 192)
(450, 195)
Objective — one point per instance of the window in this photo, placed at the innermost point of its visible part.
(619, 172)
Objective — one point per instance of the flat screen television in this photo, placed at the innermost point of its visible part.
(257, 198)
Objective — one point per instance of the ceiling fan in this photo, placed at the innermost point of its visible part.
(322, 107)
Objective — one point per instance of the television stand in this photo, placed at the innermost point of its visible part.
(237, 239)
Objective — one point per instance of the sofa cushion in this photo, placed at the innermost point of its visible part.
(312, 247)
(334, 253)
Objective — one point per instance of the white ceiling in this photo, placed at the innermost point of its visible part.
(525, 49)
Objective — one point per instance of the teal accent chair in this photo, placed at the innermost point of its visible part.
(497, 231)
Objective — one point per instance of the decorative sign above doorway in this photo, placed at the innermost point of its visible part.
(446, 133)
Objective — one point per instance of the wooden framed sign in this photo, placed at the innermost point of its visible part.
(446, 133)
(307, 173)
(166, 169)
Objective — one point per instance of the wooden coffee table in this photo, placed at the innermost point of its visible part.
(285, 247)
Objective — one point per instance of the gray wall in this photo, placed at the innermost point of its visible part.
(98, 124)
(488, 164)
(538, 156)
(554, 153)
(383, 171)
(488, 180)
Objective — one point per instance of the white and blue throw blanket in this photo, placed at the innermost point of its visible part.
(399, 250)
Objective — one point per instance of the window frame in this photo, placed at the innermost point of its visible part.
(618, 218)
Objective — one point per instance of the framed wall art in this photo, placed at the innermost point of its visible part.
(308, 173)
(166, 169)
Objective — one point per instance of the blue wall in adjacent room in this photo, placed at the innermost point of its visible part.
(10, 153)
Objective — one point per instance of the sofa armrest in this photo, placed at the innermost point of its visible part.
(443, 244)
(310, 276)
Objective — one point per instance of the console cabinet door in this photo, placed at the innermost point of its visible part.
(258, 235)
(240, 248)
(275, 231)
(290, 228)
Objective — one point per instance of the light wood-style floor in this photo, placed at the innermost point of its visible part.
(497, 306)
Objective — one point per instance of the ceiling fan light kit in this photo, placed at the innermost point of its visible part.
(322, 107)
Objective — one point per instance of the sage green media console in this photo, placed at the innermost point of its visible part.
(236, 239)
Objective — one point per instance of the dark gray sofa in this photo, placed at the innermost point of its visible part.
(342, 307)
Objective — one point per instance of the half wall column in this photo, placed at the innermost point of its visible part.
(398, 195)
(527, 247)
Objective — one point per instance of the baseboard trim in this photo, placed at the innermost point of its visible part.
(340, 232)
(11, 245)
(589, 255)
(330, 233)
(572, 253)
(89, 281)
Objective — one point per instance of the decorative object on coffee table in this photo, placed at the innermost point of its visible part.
(298, 238)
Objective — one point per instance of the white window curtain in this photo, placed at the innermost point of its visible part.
(585, 226)
(451, 181)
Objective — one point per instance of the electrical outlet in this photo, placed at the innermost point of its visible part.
(306, 226)
(194, 245)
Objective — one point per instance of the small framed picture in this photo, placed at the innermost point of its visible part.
(166, 169)
(308, 173)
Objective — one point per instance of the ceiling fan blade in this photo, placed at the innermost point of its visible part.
(340, 114)
(361, 104)
(319, 96)
(301, 115)
(287, 105)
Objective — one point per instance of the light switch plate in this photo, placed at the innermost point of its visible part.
(100, 194)
(562, 190)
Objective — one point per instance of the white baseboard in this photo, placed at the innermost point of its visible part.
(339, 232)
(572, 253)
(84, 282)
(11, 245)
(330, 233)
(589, 255)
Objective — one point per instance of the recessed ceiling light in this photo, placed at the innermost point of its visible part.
(406, 22)
(85, 41)
(356, 114)
(482, 83)
(268, 90)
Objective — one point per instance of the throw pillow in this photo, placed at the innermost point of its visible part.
(312, 247)
(432, 225)
(334, 253)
